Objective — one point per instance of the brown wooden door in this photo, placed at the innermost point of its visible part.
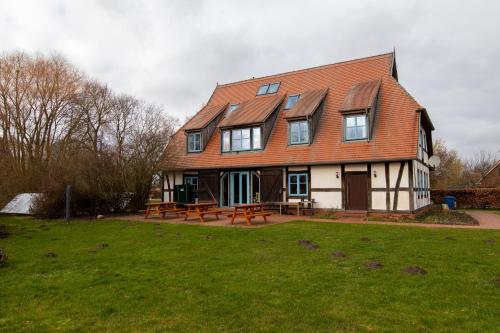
(271, 185)
(356, 191)
(208, 185)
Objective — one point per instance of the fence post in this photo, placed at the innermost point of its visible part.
(68, 200)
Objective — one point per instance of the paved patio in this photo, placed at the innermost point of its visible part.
(487, 220)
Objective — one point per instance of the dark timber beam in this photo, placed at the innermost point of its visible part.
(398, 182)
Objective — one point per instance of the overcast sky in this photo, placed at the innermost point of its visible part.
(173, 53)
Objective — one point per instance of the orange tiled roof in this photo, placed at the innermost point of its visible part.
(361, 96)
(395, 133)
(204, 117)
(307, 104)
(252, 111)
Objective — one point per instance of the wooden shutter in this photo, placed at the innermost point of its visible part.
(208, 185)
(271, 184)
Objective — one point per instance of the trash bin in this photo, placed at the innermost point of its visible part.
(451, 201)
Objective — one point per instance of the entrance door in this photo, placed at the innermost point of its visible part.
(356, 191)
(239, 188)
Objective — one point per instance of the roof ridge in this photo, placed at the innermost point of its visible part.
(340, 63)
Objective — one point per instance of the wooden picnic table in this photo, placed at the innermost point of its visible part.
(201, 209)
(249, 211)
(161, 208)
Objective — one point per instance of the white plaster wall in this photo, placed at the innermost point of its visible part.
(378, 200)
(393, 174)
(179, 179)
(403, 200)
(379, 181)
(327, 200)
(326, 176)
(356, 167)
(171, 176)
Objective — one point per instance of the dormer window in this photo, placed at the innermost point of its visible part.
(269, 88)
(241, 139)
(194, 142)
(290, 102)
(356, 127)
(299, 132)
(232, 107)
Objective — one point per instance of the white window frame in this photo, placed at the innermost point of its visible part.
(300, 139)
(355, 116)
(235, 137)
(190, 139)
(225, 148)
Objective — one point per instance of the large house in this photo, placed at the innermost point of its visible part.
(346, 136)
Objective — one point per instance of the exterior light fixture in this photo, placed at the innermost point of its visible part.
(375, 173)
(337, 175)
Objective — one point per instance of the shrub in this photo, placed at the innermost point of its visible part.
(470, 198)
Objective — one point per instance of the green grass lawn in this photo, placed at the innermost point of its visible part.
(184, 278)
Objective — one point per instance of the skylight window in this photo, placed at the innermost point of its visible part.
(269, 88)
(232, 107)
(273, 87)
(290, 102)
(263, 89)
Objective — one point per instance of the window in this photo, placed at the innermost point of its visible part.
(269, 88)
(193, 181)
(262, 89)
(226, 141)
(273, 87)
(355, 127)
(290, 102)
(232, 107)
(241, 139)
(194, 142)
(299, 132)
(298, 184)
(256, 142)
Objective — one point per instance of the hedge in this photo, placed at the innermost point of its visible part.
(470, 198)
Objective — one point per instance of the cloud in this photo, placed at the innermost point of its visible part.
(173, 53)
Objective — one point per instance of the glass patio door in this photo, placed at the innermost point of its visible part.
(239, 188)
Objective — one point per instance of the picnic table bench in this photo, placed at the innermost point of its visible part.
(249, 212)
(201, 209)
(161, 208)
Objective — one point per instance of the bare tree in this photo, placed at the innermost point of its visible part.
(57, 127)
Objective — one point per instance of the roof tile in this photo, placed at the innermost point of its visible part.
(307, 104)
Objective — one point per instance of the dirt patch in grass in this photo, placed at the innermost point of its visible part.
(51, 255)
(101, 246)
(438, 216)
(490, 241)
(496, 282)
(433, 216)
(373, 264)
(365, 239)
(3, 257)
(338, 254)
(307, 244)
(415, 270)
(450, 238)
(3, 231)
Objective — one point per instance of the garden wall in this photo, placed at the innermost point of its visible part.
(470, 198)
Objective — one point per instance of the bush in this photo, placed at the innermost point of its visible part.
(470, 198)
